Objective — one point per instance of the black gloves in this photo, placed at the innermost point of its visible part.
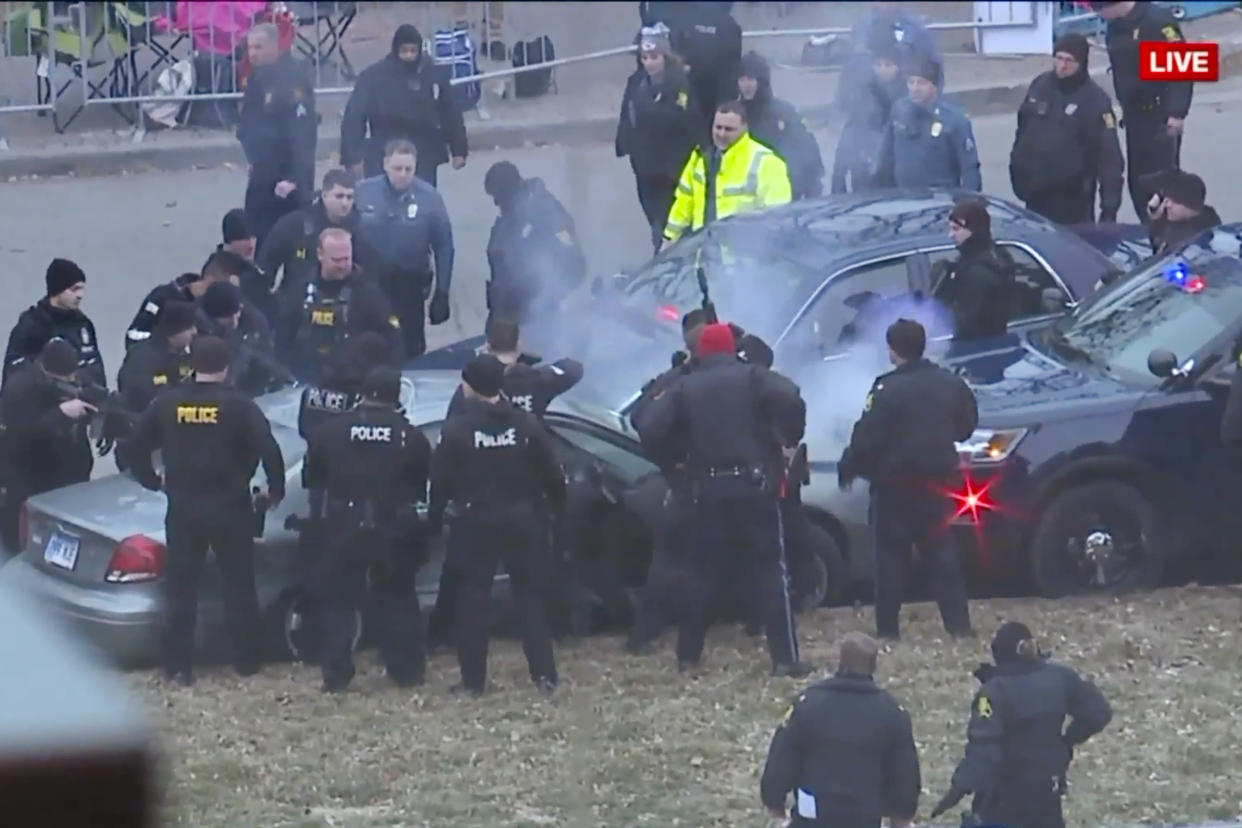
(947, 801)
(438, 313)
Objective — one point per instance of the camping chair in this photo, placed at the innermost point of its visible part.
(139, 30)
(329, 44)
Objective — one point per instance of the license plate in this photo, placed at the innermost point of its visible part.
(62, 551)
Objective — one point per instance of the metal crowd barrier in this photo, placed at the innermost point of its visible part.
(129, 54)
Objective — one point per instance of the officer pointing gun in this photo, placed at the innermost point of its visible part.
(212, 437)
(372, 466)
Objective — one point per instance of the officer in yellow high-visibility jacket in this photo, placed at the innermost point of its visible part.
(748, 176)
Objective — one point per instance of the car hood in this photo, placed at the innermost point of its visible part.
(1018, 383)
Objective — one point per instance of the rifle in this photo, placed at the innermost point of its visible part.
(115, 420)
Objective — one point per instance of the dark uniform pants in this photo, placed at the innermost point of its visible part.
(1070, 206)
(718, 527)
(903, 518)
(1026, 803)
(662, 594)
(350, 553)
(478, 541)
(656, 194)
(408, 294)
(263, 207)
(1149, 150)
(193, 524)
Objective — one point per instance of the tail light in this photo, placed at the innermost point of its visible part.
(136, 559)
(23, 527)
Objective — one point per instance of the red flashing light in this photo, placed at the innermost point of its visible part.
(972, 500)
(668, 312)
(1195, 284)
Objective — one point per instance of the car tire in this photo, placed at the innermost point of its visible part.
(829, 551)
(808, 586)
(1110, 516)
(293, 634)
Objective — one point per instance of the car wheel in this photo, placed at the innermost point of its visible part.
(1102, 536)
(829, 551)
(295, 631)
(809, 583)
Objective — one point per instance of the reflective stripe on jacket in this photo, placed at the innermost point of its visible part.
(751, 177)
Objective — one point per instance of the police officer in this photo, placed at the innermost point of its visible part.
(709, 40)
(239, 241)
(161, 361)
(527, 385)
(495, 463)
(289, 250)
(45, 441)
(58, 315)
(254, 368)
(212, 438)
(1153, 113)
(866, 104)
(979, 288)
(405, 221)
(905, 445)
(405, 96)
(776, 124)
(1178, 211)
(1066, 142)
(278, 131)
(733, 418)
(889, 25)
(1018, 746)
(928, 142)
(338, 302)
(845, 749)
(658, 126)
(372, 466)
(744, 175)
(533, 253)
(221, 266)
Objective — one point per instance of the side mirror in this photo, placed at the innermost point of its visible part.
(1162, 363)
(1053, 300)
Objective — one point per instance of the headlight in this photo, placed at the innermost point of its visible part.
(988, 445)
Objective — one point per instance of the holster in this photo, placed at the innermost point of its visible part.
(713, 484)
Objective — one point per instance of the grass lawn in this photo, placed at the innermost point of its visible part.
(629, 742)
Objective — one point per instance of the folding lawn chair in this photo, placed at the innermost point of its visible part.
(328, 47)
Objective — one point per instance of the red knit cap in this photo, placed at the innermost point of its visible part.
(717, 339)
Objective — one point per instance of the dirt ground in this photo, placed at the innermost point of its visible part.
(629, 742)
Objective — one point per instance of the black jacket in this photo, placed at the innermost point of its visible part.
(911, 422)
(39, 324)
(150, 368)
(979, 290)
(290, 248)
(1066, 141)
(493, 456)
(178, 290)
(279, 128)
(43, 449)
(658, 126)
(213, 438)
(777, 125)
(252, 344)
(393, 99)
(849, 746)
(726, 414)
(1147, 21)
(531, 387)
(533, 253)
(1017, 737)
(709, 40)
(255, 281)
(1166, 234)
(371, 453)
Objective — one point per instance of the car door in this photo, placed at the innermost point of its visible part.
(854, 304)
(1040, 296)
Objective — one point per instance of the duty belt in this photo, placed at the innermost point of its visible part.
(364, 509)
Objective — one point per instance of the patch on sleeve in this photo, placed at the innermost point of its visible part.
(1109, 121)
(683, 100)
(151, 308)
(565, 238)
(870, 401)
(970, 144)
(984, 707)
(394, 321)
(1171, 34)
(557, 371)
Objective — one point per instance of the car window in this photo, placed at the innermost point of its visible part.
(1031, 280)
(849, 307)
(623, 460)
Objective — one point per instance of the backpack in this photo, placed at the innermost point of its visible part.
(533, 84)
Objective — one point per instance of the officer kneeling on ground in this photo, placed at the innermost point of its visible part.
(212, 438)
(905, 445)
(732, 420)
(43, 443)
(495, 463)
(372, 466)
(1018, 747)
(845, 751)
